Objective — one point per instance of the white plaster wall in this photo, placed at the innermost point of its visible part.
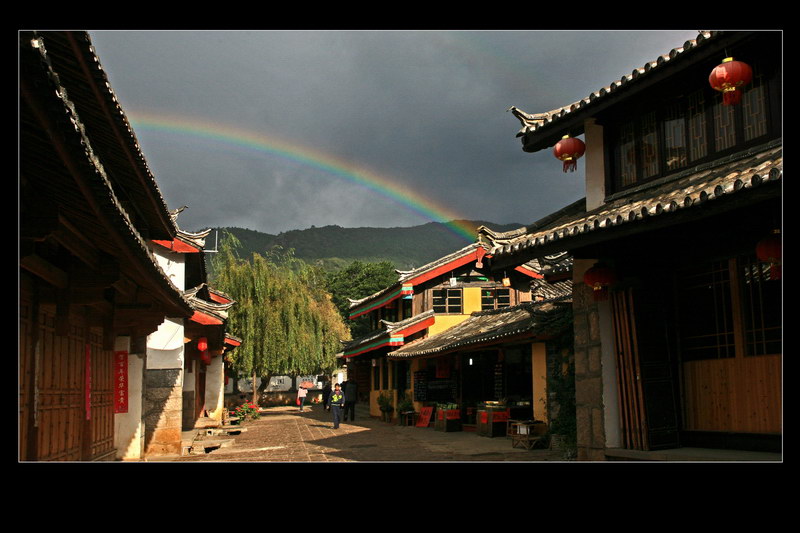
(215, 388)
(173, 265)
(128, 427)
(165, 345)
(609, 376)
(595, 165)
(189, 381)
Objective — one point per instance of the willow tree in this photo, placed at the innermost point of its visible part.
(284, 314)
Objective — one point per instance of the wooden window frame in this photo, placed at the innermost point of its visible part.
(495, 298)
(749, 328)
(449, 308)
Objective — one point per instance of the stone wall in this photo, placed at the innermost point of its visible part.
(162, 408)
(588, 375)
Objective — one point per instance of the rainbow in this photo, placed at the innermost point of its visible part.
(330, 164)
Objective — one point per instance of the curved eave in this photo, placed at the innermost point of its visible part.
(73, 57)
(42, 90)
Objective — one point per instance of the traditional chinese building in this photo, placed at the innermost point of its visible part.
(500, 356)
(677, 294)
(423, 303)
(103, 273)
(89, 283)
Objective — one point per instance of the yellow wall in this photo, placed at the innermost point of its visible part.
(472, 299)
(471, 303)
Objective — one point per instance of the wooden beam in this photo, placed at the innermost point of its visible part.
(37, 227)
(45, 270)
(70, 238)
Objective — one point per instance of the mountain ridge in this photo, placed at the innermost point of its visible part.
(334, 247)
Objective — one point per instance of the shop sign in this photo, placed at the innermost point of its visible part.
(424, 418)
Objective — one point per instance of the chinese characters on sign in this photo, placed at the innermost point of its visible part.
(121, 382)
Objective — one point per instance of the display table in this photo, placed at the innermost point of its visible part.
(447, 420)
(527, 434)
(492, 420)
(408, 418)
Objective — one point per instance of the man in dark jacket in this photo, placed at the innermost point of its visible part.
(335, 402)
(326, 393)
(350, 398)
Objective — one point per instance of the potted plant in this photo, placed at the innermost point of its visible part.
(405, 406)
(385, 404)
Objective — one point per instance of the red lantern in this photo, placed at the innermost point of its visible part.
(599, 278)
(769, 251)
(729, 77)
(202, 344)
(205, 357)
(568, 150)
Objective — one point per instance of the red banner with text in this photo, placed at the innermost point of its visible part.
(121, 382)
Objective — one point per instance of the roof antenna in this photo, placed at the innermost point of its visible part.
(216, 249)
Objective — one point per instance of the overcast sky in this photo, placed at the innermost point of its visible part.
(422, 112)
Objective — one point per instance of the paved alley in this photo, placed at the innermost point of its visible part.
(283, 434)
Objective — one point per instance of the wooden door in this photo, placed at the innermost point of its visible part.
(645, 369)
(63, 415)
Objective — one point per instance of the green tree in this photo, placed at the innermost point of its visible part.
(284, 314)
(359, 280)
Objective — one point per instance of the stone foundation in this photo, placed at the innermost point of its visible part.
(163, 411)
(588, 373)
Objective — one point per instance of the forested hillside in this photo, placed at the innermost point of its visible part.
(335, 247)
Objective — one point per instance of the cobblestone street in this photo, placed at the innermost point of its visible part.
(283, 434)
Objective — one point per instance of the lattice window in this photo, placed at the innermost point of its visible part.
(761, 307)
(696, 112)
(626, 155)
(706, 312)
(650, 159)
(495, 298)
(754, 110)
(724, 127)
(447, 301)
(675, 137)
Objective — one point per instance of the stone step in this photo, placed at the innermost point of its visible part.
(225, 430)
(206, 446)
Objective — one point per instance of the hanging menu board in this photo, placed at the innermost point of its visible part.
(498, 381)
(420, 386)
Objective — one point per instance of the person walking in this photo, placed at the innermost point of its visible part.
(335, 403)
(326, 393)
(302, 392)
(350, 399)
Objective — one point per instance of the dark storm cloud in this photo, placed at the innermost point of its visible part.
(426, 109)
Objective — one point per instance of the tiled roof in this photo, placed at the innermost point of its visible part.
(377, 337)
(417, 272)
(104, 164)
(544, 121)
(408, 275)
(200, 299)
(736, 175)
(542, 291)
(530, 318)
(85, 83)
